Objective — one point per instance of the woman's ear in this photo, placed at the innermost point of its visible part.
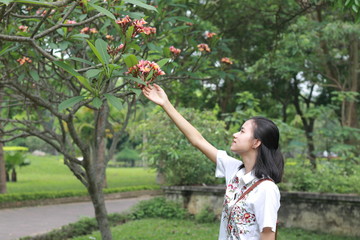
(256, 143)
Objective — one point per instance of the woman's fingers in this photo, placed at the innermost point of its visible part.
(157, 87)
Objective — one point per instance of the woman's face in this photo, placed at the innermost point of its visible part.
(244, 141)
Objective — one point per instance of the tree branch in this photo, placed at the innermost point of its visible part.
(59, 25)
(40, 23)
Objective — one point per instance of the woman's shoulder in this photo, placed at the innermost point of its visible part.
(268, 186)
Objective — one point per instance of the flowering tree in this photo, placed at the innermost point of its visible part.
(61, 59)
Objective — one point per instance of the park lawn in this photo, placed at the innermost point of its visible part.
(49, 173)
(171, 229)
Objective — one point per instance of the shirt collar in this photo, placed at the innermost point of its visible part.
(246, 178)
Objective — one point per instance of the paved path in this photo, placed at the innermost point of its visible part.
(30, 221)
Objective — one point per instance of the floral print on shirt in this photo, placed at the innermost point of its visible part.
(241, 215)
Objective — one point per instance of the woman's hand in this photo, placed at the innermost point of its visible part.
(155, 94)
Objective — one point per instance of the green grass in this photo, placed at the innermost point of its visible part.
(156, 229)
(170, 229)
(48, 173)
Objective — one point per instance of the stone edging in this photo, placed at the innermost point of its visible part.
(54, 201)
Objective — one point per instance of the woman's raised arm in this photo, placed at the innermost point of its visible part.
(157, 95)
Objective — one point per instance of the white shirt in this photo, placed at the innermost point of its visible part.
(253, 213)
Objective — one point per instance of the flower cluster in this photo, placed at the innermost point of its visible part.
(144, 69)
(210, 34)
(24, 60)
(109, 37)
(203, 47)
(139, 27)
(23, 28)
(112, 51)
(70, 22)
(175, 51)
(42, 12)
(226, 60)
(88, 30)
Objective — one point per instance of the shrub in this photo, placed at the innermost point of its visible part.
(206, 215)
(299, 176)
(171, 154)
(158, 207)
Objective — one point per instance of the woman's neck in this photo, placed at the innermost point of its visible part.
(249, 160)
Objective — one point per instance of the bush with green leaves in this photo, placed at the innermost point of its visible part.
(206, 215)
(158, 207)
(335, 176)
(169, 151)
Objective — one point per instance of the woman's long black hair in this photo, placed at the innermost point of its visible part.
(270, 161)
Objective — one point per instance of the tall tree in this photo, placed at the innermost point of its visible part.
(60, 57)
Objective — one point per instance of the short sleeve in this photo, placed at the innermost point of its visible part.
(226, 166)
(266, 205)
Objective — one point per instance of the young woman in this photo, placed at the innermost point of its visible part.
(252, 199)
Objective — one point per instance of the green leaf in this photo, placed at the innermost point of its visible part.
(113, 101)
(82, 60)
(32, 2)
(79, 36)
(8, 48)
(130, 60)
(96, 52)
(67, 68)
(162, 62)
(103, 10)
(138, 80)
(70, 102)
(136, 15)
(34, 75)
(97, 102)
(85, 82)
(141, 4)
(93, 72)
(355, 8)
(101, 46)
(136, 91)
(129, 33)
(153, 47)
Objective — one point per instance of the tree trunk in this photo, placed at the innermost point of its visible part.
(310, 142)
(2, 157)
(96, 172)
(351, 116)
(13, 175)
(308, 123)
(2, 170)
(98, 200)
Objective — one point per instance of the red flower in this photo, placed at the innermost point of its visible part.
(210, 34)
(203, 47)
(24, 60)
(143, 69)
(174, 50)
(226, 60)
